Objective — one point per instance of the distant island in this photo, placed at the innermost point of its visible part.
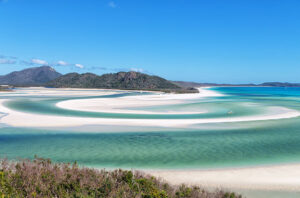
(266, 84)
(47, 76)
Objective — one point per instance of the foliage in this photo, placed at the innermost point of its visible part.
(121, 80)
(42, 178)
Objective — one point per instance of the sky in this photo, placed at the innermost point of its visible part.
(222, 41)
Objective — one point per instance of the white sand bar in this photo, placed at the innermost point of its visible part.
(119, 105)
(281, 177)
(23, 119)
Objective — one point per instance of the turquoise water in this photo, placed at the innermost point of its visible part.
(192, 147)
(46, 106)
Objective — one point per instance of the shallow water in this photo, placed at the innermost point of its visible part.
(267, 194)
(192, 147)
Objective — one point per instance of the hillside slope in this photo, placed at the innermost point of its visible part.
(120, 80)
(34, 76)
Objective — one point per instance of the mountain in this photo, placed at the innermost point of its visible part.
(34, 76)
(266, 84)
(280, 84)
(47, 76)
(120, 80)
(195, 84)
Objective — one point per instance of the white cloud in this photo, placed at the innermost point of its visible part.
(79, 66)
(7, 61)
(137, 69)
(62, 63)
(112, 4)
(10, 57)
(26, 62)
(96, 68)
(39, 61)
(13, 57)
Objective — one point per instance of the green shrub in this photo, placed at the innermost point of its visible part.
(41, 178)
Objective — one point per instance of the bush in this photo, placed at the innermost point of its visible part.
(42, 178)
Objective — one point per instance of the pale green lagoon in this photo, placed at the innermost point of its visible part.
(203, 146)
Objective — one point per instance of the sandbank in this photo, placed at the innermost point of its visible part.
(278, 177)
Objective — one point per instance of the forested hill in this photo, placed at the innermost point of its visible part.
(121, 80)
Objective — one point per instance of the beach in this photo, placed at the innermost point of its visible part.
(59, 109)
(280, 177)
(119, 105)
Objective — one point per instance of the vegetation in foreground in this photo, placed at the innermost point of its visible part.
(42, 178)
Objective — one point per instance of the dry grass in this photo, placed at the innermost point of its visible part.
(42, 178)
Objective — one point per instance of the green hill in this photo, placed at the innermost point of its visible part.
(121, 80)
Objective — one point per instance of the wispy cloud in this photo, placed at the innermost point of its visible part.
(13, 57)
(124, 69)
(39, 62)
(79, 66)
(62, 63)
(44, 62)
(112, 4)
(137, 69)
(28, 63)
(96, 68)
(7, 61)
(8, 57)
(120, 69)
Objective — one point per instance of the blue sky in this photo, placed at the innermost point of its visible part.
(223, 41)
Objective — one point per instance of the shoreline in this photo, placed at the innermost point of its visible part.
(274, 177)
(119, 105)
(16, 118)
(261, 178)
(281, 177)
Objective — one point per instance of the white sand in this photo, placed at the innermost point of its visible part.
(41, 91)
(280, 177)
(22, 119)
(285, 177)
(121, 105)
